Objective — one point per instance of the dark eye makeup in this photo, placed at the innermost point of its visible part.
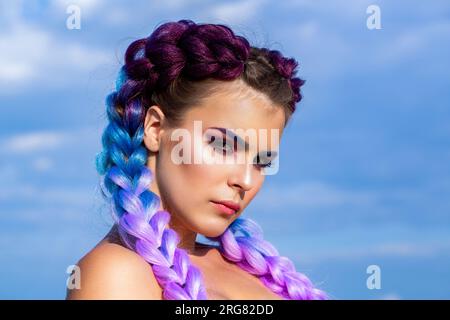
(227, 146)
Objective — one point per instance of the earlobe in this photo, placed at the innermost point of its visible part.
(153, 122)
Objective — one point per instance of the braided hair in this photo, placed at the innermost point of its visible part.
(171, 68)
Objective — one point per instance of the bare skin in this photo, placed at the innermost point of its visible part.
(112, 271)
(223, 280)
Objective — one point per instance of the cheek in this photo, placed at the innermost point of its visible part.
(189, 185)
(205, 170)
(189, 182)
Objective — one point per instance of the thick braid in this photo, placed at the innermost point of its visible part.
(189, 49)
(255, 255)
(141, 226)
(286, 68)
(127, 179)
(197, 52)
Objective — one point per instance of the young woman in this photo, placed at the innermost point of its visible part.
(182, 95)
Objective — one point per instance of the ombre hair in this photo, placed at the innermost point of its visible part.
(176, 67)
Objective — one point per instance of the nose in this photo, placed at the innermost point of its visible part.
(242, 177)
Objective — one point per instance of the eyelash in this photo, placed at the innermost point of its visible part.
(265, 165)
(220, 146)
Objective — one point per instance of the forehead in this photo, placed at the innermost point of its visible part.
(238, 106)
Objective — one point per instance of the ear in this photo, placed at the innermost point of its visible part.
(153, 124)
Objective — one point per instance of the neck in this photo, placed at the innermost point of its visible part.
(187, 237)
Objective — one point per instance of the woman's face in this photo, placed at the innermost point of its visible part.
(190, 177)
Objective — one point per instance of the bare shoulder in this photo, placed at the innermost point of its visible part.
(111, 271)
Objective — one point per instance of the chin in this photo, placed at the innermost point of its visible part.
(213, 231)
(213, 234)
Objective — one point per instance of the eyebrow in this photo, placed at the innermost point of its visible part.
(230, 134)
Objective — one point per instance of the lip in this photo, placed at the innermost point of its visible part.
(229, 207)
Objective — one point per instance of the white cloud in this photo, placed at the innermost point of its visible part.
(42, 164)
(32, 142)
(324, 50)
(236, 11)
(31, 56)
(87, 7)
(333, 39)
(21, 49)
(39, 195)
(374, 251)
(313, 194)
(390, 296)
(412, 41)
(345, 9)
(36, 141)
(316, 206)
(174, 4)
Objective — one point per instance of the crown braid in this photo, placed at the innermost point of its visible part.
(196, 52)
(286, 67)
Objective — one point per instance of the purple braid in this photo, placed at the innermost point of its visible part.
(195, 52)
(257, 256)
(135, 207)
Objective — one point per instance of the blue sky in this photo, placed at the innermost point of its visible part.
(364, 173)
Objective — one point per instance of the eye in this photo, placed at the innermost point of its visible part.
(265, 164)
(222, 145)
